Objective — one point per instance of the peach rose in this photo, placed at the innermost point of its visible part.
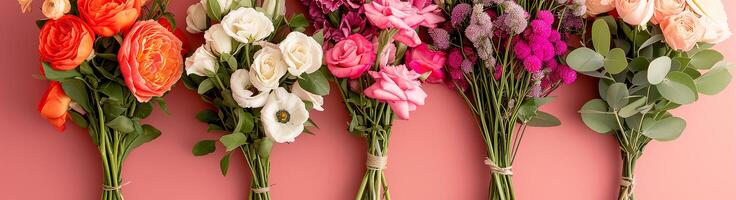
(54, 106)
(150, 60)
(65, 43)
(109, 17)
(682, 31)
(666, 8)
(595, 7)
(54, 9)
(635, 12)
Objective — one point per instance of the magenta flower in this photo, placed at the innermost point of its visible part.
(440, 37)
(422, 59)
(567, 74)
(398, 87)
(532, 64)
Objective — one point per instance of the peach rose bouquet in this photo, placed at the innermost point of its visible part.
(650, 56)
(261, 75)
(107, 66)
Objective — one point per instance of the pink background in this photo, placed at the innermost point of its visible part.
(436, 155)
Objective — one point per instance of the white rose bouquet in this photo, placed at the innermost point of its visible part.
(261, 90)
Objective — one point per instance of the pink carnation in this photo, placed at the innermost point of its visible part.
(398, 87)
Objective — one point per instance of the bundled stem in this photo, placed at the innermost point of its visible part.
(626, 191)
(111, 166)
(374, 184)
(260, 167)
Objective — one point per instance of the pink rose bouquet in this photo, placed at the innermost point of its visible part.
(379, 67)
(107, 68)
(505, 58)
(651, 58)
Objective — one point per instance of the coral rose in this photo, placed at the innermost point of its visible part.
(398, 87)
(635, 12)
(350, 57)
(54, 106)
(150, 60)
(65, 43)
(109, 17)
(682, 31)
(422, 59)
(666, 8)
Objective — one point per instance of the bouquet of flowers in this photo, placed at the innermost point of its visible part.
(377, 77)
(107, 67)
(261, 91)
(650, 56)
(505, 58)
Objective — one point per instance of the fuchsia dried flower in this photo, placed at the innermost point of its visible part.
(567, 74)
(522, 50)
(532, 64)
(546, 16)
(454, 58)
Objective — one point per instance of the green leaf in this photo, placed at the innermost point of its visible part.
(149, 133)
(543, 119)
(214, 128)
(225, 164)
(298, 21)
(584, 60)
(248, 122)
(143, 110)
(233, 140)
(679, 88)
(638, 64)
(529, 107)
(207, 116)
(162, 105)
(658, 69)
(205, 86)
(705, 59)
(615, 62)
(319, 36)
(666, 129)
(58, 75)
(230, 60)
(79, 119)
(41, 22)
(601, 37)
(77, 91)
(315, 83)
(714, 81)
(122, 124)
(85, 69)
(264, 147)
(652, 40)
(112, 90)
(616, 96)
(203, 147)
(113, 109)
(214, 10)
(595, 115)
(632, 108)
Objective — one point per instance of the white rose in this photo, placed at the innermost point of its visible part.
(715, 31)
(317, 101)
(247, 25)
(712, 8)
(217, 40)
(200, 62)
(283, 116)
(302, 53)
(196, 18)
(267, 69)
(224, 5)
(240, 84)
(54, 9)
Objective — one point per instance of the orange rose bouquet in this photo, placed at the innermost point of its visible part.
(108, 64)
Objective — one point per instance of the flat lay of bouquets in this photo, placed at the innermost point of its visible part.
(650, 57)
(505, 58)
(107, 67)
(379, 65)
(260, 73)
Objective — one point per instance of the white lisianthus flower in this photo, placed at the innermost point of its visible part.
(201, 62)
(196, 18)
(247, 25)
(302, 53)
(317, 101)
(267, 69)
(224, 5)
(274, 8)
(239, 83)
(283, 116)
(217, 40)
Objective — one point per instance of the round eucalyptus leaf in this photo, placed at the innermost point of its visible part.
(658, 69)
(601, 36)
(584, 60)
(616, 96)
(640, 78)
(666, 129)
(714, 81)
(595, 115)
(705, 59)
(632, 108)
(615, 61)
(603, 85)
(679, 88)
(638, 64)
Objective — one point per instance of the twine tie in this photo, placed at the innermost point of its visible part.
(498, 170)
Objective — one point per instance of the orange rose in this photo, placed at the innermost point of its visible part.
(108, 17)
(66, 42)
(54, 106)
(682, 31)
(150, 60)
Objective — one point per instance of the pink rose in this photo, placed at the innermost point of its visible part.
(398, 87)
(421, 59)
(596, 7)
(666, 8)
(682, 31)
(388, 55)
(635, 12)
(350, 57)
(403, 16)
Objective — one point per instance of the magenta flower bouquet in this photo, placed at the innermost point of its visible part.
(505, 58)
(379, 66)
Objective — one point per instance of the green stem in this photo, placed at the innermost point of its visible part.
(626, 191)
